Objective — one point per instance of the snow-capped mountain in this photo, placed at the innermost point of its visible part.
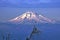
(31, 17)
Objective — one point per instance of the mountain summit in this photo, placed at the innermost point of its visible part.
(31, 17)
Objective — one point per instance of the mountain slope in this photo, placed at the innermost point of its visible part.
(31, 17)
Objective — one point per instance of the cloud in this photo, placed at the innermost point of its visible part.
(36, 1)
(45, 1)
(14, 1)
(26, 1)
(10, 1)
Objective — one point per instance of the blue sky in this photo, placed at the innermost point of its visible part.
(12, 8)
(30, 3)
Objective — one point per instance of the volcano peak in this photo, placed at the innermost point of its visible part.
(31, 16)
